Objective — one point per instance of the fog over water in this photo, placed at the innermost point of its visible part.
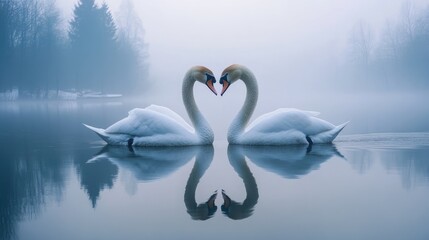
(357, 61)
(299, 51)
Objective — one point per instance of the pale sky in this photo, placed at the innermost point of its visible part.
(275, 34)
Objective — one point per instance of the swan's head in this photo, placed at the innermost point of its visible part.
(229, 76)
(205, 76)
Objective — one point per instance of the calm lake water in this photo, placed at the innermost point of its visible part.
(59, 181)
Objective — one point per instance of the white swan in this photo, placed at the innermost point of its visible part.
(281, 127)
(160, 126)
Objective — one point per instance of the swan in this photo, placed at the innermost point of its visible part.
(281, 127)
(160, 126)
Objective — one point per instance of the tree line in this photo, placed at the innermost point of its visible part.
(94, 53)
(395, 57)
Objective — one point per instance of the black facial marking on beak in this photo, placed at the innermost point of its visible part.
(210, 77)
(210, 81)
(224, 81)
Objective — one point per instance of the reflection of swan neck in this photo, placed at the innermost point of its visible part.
(202, 128)
(194, 178)
(237, 159)
(202, 162)
(242, 118)
(232, 209)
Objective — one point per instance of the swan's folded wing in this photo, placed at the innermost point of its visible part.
(172, 114)
(283, 119)
(306, 112)
(145, 122)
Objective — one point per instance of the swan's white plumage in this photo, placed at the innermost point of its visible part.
(148, 128)
(160, 126)
(281, 127)
(268, 119)
(147, 122)
(289, 126)
(171, 114)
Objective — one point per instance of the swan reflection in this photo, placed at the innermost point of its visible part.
(148, 163)
(143, 164)
(205, 210)
(290, 161)
(236, 210)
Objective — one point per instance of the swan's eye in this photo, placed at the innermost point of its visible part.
(210, 77)
(223, 78)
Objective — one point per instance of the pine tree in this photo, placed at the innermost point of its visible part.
(108, 50)
(93, 44)
(81, 35)
(7, 14)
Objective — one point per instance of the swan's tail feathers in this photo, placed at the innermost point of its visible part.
(328, 136)
(101, 155)
(338, 129)
(99, 131)
(338, 153)
(95, 159)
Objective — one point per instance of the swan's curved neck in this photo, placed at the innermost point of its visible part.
(240, 121)
(202, 127)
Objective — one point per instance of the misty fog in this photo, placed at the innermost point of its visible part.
(358, 61)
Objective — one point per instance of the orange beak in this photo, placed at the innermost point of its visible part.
(209, 84)
(225, 87)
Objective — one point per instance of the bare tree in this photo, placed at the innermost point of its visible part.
(391, 42)
(133, 48)
(361, 44)
(130, 28)
(409, 20)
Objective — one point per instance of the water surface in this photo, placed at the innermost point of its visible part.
(59, 181)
